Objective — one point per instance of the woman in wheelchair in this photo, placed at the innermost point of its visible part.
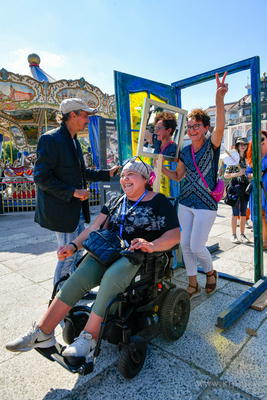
(150, 224)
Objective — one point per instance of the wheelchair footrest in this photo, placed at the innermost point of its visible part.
(54, 354)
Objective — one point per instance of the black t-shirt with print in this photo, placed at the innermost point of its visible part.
(148, 220)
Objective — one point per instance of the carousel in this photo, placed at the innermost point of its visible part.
(28, 108)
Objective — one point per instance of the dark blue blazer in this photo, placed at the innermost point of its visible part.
(58, 171)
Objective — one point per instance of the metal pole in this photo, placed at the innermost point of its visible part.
(178, 97)
(11, 151)
(4, 147)
(45, 106)
(256, 154)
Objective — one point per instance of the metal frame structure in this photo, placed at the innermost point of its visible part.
(228, 316)
(254, 65)
(124, 84)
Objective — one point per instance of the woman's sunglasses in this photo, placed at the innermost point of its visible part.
(133, 159)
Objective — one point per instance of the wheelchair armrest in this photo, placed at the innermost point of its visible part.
(175, 247)
(138, 257)
(135, 257)
(156, 253)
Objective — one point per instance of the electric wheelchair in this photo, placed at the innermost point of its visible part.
(151, 298)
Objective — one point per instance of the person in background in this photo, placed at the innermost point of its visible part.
(238, 177)
(221, 172)
(249, 174)
(197, 208)
(60, 175)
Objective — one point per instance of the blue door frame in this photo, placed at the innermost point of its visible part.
(254, 65)
(124, 85)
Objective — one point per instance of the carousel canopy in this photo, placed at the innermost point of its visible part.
(29, 103)
(36, 72)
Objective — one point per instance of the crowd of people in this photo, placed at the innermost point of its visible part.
(240, 176)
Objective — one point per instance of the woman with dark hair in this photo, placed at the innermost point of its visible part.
(264, 180)
(165, 126)
(237, 174)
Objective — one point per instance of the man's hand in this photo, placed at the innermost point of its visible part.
(114, 170)
(81, 194)
(64, 252)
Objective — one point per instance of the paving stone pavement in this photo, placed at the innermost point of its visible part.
(205, 363)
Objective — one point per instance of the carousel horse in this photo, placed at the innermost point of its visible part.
(24, 172)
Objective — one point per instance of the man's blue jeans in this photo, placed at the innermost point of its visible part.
(68, 266)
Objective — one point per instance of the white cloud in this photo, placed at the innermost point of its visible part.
(52, 60)
(18, 61)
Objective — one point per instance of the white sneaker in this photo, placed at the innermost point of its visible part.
(234, 239)
(32, 339)
(83, 346)
(244, 239)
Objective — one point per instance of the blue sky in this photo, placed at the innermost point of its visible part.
(164, 41)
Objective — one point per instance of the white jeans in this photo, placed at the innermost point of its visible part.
(196, 226)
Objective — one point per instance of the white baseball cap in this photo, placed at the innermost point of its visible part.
(74, 104)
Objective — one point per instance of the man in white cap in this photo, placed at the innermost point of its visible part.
(60, 174)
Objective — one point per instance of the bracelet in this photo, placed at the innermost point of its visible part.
(75, 247)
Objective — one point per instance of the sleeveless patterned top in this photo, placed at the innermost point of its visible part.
(194, 193)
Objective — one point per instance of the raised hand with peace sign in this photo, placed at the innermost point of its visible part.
(221, 90)
(222, 87)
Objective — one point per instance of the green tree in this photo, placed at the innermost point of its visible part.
(8, 152)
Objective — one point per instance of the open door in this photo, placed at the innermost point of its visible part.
(130, 93)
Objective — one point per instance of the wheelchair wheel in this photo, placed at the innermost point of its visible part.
(73, 326)
(174, 313)
(68, 333)
(128, 367)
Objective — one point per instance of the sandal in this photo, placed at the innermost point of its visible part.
(196, 293)
(212, 286)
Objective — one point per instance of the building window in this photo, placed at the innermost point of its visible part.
(233, 115)
(212, 121)
(247, 111)
(249, 134)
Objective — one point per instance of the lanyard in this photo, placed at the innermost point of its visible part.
(124, 210)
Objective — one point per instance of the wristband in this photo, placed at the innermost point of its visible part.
(75, 247)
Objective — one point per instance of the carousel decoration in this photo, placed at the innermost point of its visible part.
(28, 108)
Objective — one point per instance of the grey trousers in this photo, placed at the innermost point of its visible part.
(90, 273)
